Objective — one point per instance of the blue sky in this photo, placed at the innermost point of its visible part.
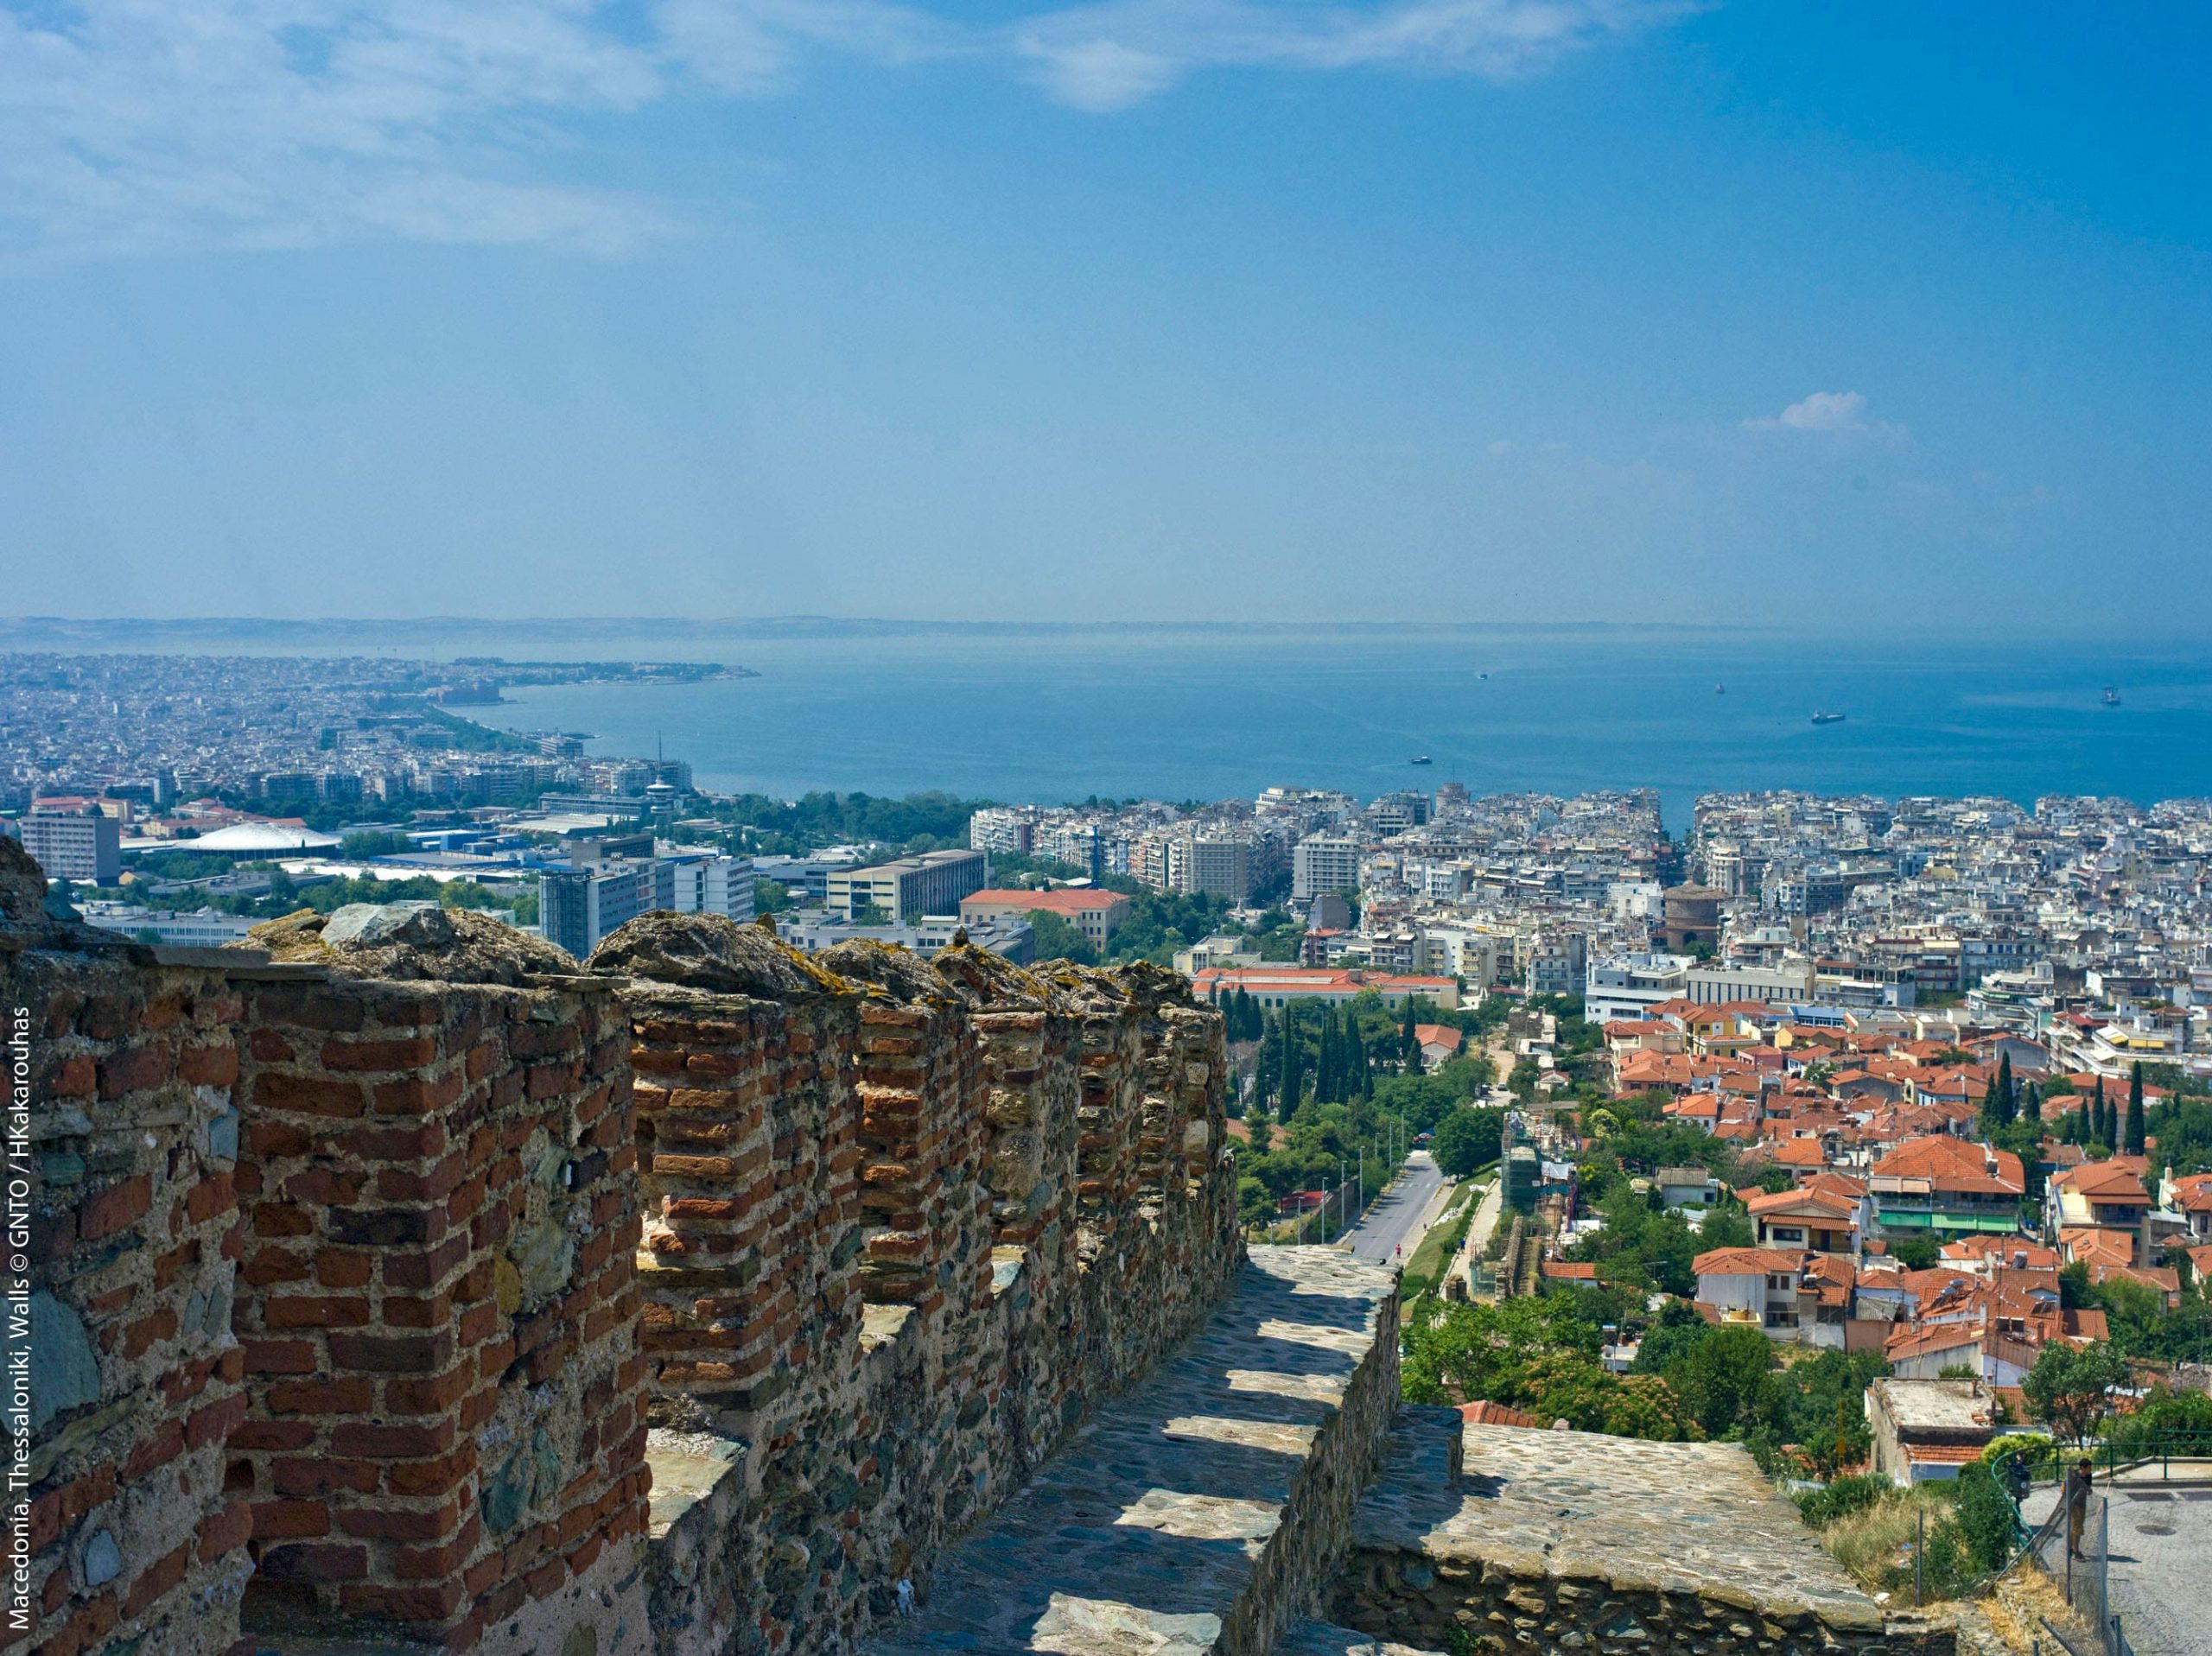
(1862, 315)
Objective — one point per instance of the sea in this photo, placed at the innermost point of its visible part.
(1210, 714)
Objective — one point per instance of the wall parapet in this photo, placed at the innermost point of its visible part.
(379, 1265)
(129, 1151)
(905, 1223)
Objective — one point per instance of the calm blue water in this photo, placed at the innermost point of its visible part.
(1025, 717)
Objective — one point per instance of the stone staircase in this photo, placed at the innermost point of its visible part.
(1205, 1511)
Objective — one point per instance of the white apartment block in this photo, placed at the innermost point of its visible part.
(1324, 862)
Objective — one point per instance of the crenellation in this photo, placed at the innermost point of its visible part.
(405, 1257)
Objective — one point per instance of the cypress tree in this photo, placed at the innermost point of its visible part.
(2097, 1114)
(1289, 1029)
(1409, 1046)
(2134, 1146)
(1989, 1110)
(2031, 1103)
(1325, 1054)
(2008, 1107)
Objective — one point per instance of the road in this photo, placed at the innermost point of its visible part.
(1400, 1215)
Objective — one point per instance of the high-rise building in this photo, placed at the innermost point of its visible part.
(1217, 866)
(1324, 862)
(576, 907)
(1003, 827)
(74, 847)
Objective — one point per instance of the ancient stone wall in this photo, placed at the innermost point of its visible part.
(362, 1267)
(439, 1333)
(1497, 1538)
(989, 1198)
(123, 1169)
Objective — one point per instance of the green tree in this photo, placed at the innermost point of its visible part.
(1677, 1327)
(1055, 939)
(1459, 1352)
(2070, 1385)
(1466, 1140)
(364, 843)
(1726, 1381)
(1916, 1253)
(2134, 1130)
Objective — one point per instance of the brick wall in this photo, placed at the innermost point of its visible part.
(903, 1222)
(439, 1333)
(134, 1379)
(361, 1272)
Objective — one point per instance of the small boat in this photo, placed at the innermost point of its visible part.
(1828, 718)
(2111, 697)
(1720, 689)
(1482, 675)
(1419, 758)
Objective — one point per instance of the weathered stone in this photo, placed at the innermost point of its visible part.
(66, 1374)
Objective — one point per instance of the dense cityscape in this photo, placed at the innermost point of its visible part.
(1856, 1131)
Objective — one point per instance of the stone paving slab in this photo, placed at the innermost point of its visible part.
(1160, 1528)
(1326, 1639)
(1669, 1518)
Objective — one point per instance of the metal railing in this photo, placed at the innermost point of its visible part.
(2122, 1451)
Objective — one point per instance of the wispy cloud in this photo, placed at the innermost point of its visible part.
(1833, 413)
(129, 126)
(1110, 55)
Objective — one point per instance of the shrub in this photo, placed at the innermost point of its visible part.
(1985, 1517)
(1842, 1497)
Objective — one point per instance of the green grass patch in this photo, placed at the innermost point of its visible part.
(1436, 1250)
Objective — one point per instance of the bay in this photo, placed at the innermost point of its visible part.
(1197, 715)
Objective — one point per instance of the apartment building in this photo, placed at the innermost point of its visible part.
(1324, 862)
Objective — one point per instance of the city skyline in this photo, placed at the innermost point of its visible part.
(1501, 312)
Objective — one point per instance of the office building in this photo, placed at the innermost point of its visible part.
(72, 846)
(1095, 914)
(576, 907)
(904, 890)
(720, 886)
(1007, 935)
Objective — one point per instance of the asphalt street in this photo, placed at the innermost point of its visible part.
(1400, 1215)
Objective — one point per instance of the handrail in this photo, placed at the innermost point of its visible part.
(2108, 1456)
